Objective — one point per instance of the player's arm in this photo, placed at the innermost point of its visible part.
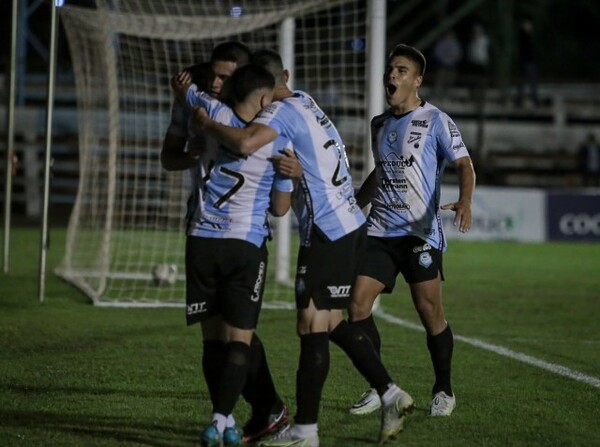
(280, 202)
(242, 141)
(462, 208)
(366, 191)
(173, 156)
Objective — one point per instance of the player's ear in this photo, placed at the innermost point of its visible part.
(418, 81)
(265, 100)
(286, 75)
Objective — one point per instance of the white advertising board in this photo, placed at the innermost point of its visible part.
(515, 214)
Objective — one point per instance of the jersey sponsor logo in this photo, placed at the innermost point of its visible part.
(392, 136)
(323, 120)
(425, 259)
(420, 123)
(258, 284)
(196, 308)
(269, 110)
(454, 133)
(339, 291)
(458, 146)
(397, 204)
(394, 184)
(402, 162)
(420, 248)
(414, 136)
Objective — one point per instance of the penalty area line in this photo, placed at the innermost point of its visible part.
(500, 350)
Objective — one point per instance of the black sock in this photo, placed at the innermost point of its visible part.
(212, 360)
(359, 348)
(313, 368)
(370, 329)
(233, 376)
(440, 348)
(259, 390)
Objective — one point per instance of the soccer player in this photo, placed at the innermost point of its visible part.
(184, 149)
(332, 229)
(412, 143)
(226, 254)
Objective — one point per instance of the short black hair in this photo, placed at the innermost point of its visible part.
(201, 74)
(247, 79)
(270, 60)
(231, 51)
(410, 53)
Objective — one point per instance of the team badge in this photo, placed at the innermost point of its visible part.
(392, 137)
(425, 259)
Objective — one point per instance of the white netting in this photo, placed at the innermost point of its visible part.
(129, 212)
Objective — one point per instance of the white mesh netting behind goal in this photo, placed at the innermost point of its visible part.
(129, 213)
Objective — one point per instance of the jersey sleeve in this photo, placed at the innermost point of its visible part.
(283, 183)
(195, 99)
(278, 117)
(450, 142)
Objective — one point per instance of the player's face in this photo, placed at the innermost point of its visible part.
(221, 71)
(401, 81)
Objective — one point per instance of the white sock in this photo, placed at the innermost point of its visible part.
(221, 421)
(305, 430)
(390, 395)
(230, 421)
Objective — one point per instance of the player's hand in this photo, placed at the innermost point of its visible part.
(181, 82)
(287, 164)
(463, 217)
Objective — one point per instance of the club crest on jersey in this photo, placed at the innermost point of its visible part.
(392, 137)
(425, 259)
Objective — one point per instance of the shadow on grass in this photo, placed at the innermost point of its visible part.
(103, 428)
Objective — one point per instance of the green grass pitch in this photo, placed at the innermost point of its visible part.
(72, 374)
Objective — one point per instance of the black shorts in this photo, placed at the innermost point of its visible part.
(385, 257)
(224, 277)
(327, 270)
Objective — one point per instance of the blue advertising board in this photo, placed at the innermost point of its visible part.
(573, 216)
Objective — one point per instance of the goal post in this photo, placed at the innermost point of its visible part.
(129, 212)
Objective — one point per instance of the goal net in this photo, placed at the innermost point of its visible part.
(128, 218)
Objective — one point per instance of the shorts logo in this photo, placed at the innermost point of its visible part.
(258, 284)
(302, 270)
(196, 308)
(300, 286)
(420, 248)
(339, 291)
(425, 259)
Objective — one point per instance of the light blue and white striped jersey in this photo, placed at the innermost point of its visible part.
(238, 190)
(327, 185)
(411, 152)
(179, 127)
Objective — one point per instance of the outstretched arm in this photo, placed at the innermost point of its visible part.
(462, 208)
(240, 140)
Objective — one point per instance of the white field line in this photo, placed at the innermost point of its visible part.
(500, 350)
